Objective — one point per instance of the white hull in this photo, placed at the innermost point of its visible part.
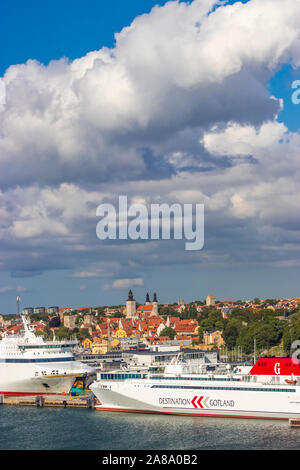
(29, 365)
(22, 379)
(141, 396)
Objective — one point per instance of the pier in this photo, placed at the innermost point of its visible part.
(63, 401)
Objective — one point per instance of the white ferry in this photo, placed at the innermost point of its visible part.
(31, 366)
(269, 389)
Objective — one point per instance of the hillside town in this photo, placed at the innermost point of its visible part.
(206, 325)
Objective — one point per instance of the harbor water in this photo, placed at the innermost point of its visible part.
(24, 428)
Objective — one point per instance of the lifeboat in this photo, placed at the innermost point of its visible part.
(291, 382)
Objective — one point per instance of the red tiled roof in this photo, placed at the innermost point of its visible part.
(16, 328)
(97, 339)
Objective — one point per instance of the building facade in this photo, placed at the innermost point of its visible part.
(130, 305)
(69, 321)
(210, 301)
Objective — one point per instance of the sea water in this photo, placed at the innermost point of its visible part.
(30, 428)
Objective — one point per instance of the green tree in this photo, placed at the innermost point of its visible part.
(287, 341)
(212, 319)
(231, 332)
(266, 335)
(40, 333)
(82, 333)
(168, 331)
(100, 311)
(200, 334)
(62, 333)
(169, 311)
(190, 312)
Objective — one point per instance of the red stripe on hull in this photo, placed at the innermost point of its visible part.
(205, 415)
(22, 394)
(127, 410)
(222, 416)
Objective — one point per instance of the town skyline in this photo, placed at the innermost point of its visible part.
(139, 301)
(270, 324)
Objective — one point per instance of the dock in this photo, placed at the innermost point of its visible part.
(63, 401)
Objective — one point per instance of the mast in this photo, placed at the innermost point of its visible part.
(23, 317)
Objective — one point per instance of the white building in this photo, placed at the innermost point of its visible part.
(210, 301)
(130, 305)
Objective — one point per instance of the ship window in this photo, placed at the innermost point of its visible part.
(226, 388)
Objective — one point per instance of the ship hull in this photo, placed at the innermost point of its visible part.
(27, 379)
(142, 398)
(236, 414)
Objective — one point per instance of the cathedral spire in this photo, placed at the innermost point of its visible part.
(130, 305)
(130, 295)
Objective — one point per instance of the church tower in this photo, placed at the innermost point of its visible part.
(155, 305)
(130, 305)
(147, 299)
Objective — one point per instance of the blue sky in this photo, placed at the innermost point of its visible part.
(281, 86)
(243, 257)
(53, 29)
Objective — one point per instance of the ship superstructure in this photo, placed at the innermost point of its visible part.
(30, 365)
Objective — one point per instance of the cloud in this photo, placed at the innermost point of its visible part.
(238, 139)
(100, 117)
(2, 94)
(86, 274)
(125, 283)
(177, 111)
(17, 289)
